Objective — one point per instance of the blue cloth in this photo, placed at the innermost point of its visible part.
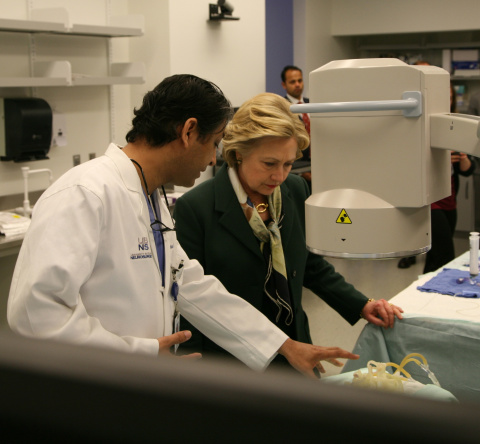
(452, 282)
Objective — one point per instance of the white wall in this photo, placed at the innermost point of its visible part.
(229, 53)
(153, 48)
(178, 39)
(314, 46)
(86, 109)
(323, 29)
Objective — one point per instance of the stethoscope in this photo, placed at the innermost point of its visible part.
(156, 225)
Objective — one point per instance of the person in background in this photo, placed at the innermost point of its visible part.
(444, 212)
(101, 265)
(246, 226)
(292, 83)
(474, 104)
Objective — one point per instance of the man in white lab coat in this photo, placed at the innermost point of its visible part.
(101, 265)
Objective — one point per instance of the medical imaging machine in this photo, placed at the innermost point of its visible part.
(381, 132)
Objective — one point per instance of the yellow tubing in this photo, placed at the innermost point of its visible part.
(391, 364)
(399, 370)
(411, 355)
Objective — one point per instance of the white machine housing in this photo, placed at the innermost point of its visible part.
(374, 174)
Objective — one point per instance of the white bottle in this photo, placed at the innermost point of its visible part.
(474, 240)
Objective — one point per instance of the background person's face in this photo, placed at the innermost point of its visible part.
(293, 83)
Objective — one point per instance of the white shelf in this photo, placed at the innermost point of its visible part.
(465, 78)
(59, 73)
(22, 82)
(44, 74)
(12, 25)
(104, 31)
(120, 74)
(56, 21)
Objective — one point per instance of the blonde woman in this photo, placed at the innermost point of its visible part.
(246, 226)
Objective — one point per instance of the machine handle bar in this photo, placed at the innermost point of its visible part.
(411, 104)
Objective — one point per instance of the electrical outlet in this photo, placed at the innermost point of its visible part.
(76, 159)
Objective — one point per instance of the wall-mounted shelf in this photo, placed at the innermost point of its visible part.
(429, 46)
(56, 21)
(120, 74)
(465, 78)
(417, 41)
(59, 73)
(45, 74)
(13, 25)
(415, 46)
(104, 31)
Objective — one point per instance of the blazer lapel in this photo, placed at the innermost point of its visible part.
(288, 208)
(232, 218)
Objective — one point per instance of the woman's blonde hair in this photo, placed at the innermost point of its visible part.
(265, 115)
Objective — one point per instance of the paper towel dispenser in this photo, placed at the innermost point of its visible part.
(25, 129)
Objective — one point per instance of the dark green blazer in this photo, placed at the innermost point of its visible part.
(212, 228)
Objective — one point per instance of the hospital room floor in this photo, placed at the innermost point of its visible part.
(328, 328)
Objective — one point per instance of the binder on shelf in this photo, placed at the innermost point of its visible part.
(465, 62)
(464, 55)
(447, 60)
(466, 72)
(472, 64)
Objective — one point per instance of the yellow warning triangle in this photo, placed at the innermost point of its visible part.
(343, 218)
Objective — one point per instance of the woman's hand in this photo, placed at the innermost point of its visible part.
(381, 313)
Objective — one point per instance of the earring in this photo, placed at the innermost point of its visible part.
(239, 161)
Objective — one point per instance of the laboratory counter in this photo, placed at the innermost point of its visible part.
(10, 245)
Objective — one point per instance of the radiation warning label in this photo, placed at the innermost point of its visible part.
(343, 218)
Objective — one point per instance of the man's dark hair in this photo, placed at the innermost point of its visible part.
(288, 68)
(172, 102)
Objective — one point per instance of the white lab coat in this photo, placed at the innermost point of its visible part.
(88, 272)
